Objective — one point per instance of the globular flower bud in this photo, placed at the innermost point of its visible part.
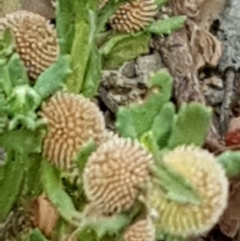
(115, 173)
(35, 39)
(73, 120)
(133, 16)
(206, 175)
(142, 230)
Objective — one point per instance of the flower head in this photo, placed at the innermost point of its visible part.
(114, 174)
(133, 16)
(35, 39)
(142, 230)
(200, 168)
(73, 120)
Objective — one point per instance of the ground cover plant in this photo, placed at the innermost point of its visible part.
(64, 174)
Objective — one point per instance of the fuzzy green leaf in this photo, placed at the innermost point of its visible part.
(84, 154)
(13, 172)
(54, 77)
(22, 141)
(167, 26)
(17, 71)
(122, 48)
(191, 125)
(231, 163)
(51, 180)
(162, 124)
(134, 121)
(80, 52)
(108, 226)
(65, 19)
(36, 235)
(177, 188)
(93, 74)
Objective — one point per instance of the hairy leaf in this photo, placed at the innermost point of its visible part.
(36, 235)
(17, 71)
(22, 141)
(177, 188)
(230, 160)
(54, 77)
(134, 121)
(122, 48)
(84, 154)
(167, 26)
(65, 18)
(13, 172)
(79, 56)
(51, 181)
(162, 124)
(93, 74)
(191, 125)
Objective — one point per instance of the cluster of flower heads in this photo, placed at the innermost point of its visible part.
(117, 172)
(35, 40)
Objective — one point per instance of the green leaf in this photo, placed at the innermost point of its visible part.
(22, 141)
(54, 77)
(134, 121)
(166, 26)
(122, 48)
(84, 154)
(230, 160)
(191, 125)
(13, 172)
(107, 226)
(36, 235)
(80, 52)
(51, 180)
(23, 100)
(65, 18)
(93, 74)
(17, 71)
(162, 124)
(33, 176)
(177, 188)
(161, 2)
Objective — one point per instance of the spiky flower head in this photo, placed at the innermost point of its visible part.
(133, 16)
(35, 39)
(142, 230)
(115, 173)
(73, 120)
(199, 167)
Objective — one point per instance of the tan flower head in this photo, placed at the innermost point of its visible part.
(73, 120)
(142, 230)
(133, 16)
(35, 38)
(114, 174)
(200, 168)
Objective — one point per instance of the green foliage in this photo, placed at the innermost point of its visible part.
(84, 154)
(54, 77)
(191, 125)
(167, 26)
(51, 181)
(177, 188)
(36, 235)
(231, 162)
(122, 48)
(134, 121)
(11, 179)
